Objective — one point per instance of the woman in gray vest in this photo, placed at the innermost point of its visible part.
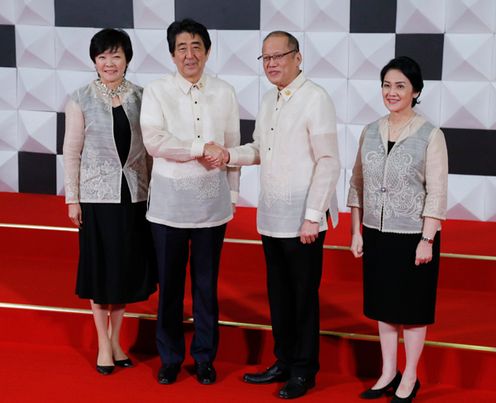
(398, 198)
(106, 185)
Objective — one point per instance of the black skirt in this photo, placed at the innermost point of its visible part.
(116, 256)
(394, 289)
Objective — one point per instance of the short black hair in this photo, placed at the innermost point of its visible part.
(190, 26)
(111, 39)
(292, 41)
(411, 69)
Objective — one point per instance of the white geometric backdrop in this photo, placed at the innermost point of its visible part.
(339, 53)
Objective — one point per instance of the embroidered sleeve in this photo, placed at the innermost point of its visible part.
(73, 146)
(159, 142)
(436, 177)
(324, 147)
(232, 139)
(355, 194)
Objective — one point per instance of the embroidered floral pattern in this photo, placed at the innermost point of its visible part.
(278, 190)
(95, 174)
(396, 197)
(111, 93)
(373, 168)
(402, 201)
(124, 91)
(206, 186)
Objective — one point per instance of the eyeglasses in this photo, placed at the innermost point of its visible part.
(276, 58)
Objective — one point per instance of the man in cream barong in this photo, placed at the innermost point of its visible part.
(189, 202)
(295, 143)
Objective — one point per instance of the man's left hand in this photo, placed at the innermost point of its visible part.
(309, 231)
(215, 155)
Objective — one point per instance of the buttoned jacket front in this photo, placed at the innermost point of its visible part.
(295, 143)
(178, 118)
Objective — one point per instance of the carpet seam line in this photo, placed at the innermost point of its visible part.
(248, 241)
(247, 325)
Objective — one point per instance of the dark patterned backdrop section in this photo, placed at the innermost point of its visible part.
(94, 13)
(7, 46)
(377, 16)
(426, 49)
(37, 173)
(60, 131)
(472, 152)
(221, 14)
(344, 43)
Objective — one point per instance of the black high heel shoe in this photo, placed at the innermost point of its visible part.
(125, 363)
(105, 369)
(377, 393)
(410, 397)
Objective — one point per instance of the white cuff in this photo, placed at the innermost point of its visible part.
(234, 196)
(197, 149)
(233, 157)
(313, 215)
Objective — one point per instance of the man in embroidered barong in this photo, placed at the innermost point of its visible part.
(295, 144)
(190, 202)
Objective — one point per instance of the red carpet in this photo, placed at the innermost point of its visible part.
(53, 353)
(464, 237)
(39, 374)
(49, 357)
(467, 296)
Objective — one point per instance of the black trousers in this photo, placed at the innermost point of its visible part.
(294, 271)
(173, 247)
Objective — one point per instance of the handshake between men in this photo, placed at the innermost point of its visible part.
(215, 155)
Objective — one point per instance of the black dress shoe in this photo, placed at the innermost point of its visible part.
(105, 369)
(296, 386)
(410, 397)
(205, 372)
(126, 363)
(168, 374)
(377, 393)
(270, 375)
